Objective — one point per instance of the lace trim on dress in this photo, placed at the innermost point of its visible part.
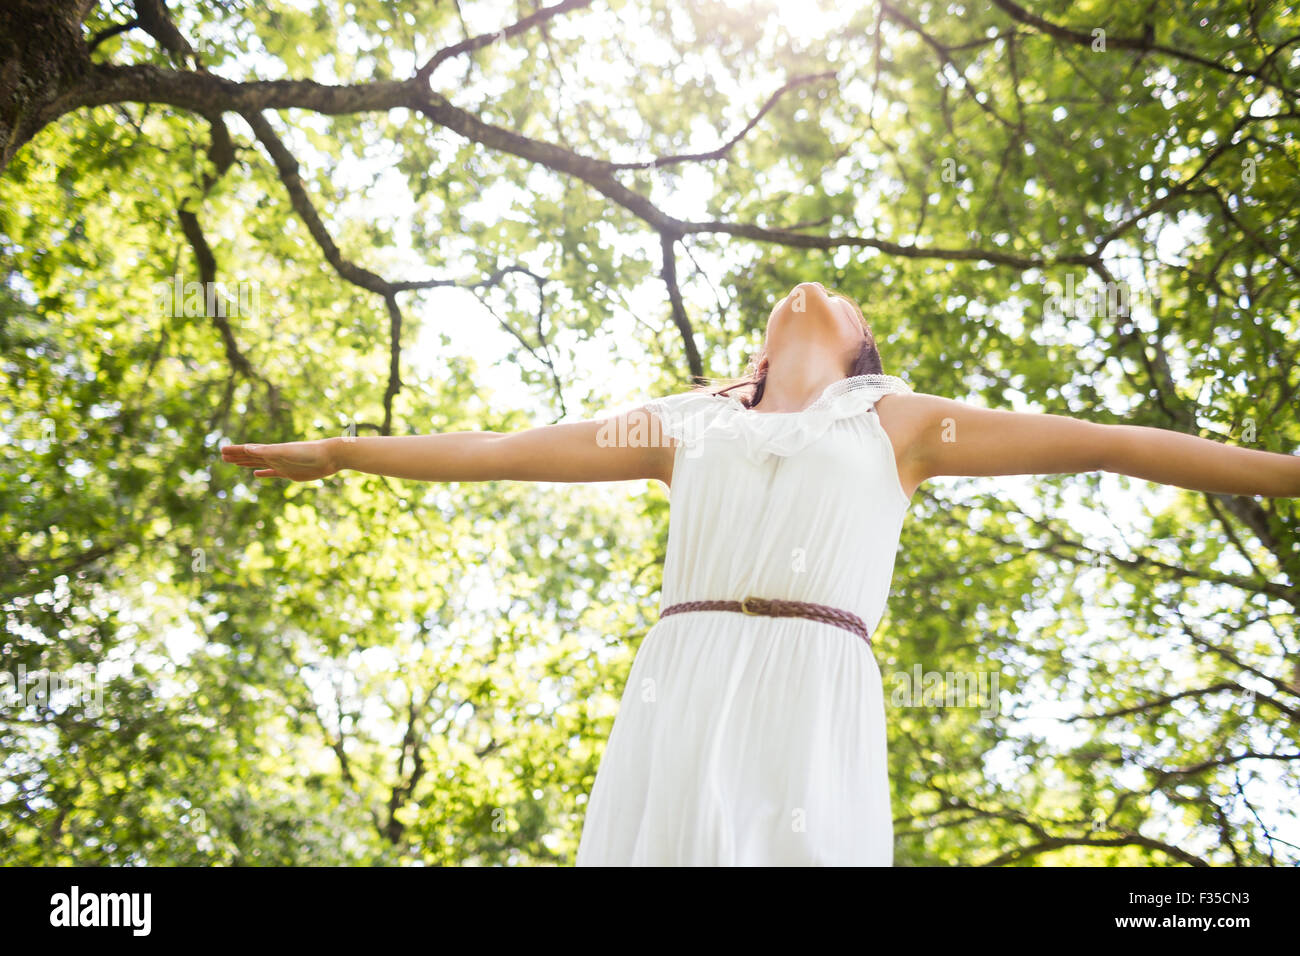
(692, 417)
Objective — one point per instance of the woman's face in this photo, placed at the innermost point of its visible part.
(810, 315)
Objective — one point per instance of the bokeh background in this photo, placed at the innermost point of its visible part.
(489, 215)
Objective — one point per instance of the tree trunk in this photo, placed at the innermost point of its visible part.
(43, 54)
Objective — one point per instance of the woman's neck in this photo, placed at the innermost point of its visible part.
(794, 389)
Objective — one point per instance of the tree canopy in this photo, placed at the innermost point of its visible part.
(237, 221)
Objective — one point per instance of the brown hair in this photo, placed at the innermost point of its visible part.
(754, 378)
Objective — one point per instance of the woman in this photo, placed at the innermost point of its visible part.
(752, 727)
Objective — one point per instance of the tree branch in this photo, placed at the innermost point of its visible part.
(726, 147)
(1144, 44)
(680, 319)
(486, 39)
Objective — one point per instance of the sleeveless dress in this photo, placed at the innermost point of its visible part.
(744, 740)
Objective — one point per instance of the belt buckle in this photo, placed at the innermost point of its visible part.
(744, 608)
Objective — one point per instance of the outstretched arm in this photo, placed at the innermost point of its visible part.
(940, 436)
(611, 449)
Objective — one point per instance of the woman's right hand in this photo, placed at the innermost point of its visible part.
(295, 460)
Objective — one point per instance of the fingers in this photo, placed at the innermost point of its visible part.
(243, 455)
(240, 449)
(249, 462)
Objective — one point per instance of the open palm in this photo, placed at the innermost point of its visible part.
(295, 460)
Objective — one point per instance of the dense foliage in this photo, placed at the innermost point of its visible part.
(1081, 208)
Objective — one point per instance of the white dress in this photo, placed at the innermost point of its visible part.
(755, 741)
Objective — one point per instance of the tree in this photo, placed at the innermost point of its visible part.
(1081, 209)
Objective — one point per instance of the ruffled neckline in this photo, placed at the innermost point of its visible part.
(833, 391)
(692, 417)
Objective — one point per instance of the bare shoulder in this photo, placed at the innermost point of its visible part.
(904, 416)
(908, 417)
(660, 455)
(936, 436)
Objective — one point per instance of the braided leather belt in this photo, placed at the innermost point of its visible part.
(774, 607)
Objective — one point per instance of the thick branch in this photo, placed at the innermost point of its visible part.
(206, 92)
